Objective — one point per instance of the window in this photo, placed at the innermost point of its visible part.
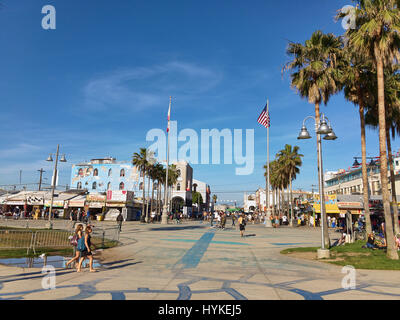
(110, 172)
(121, 186)
(122, 173)
(179, 172)
(109, 186)
(94, 186)
(80, 172)
(178, 187)
(79, 185)
(95, 172)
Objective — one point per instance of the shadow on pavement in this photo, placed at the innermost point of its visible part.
(175, 228)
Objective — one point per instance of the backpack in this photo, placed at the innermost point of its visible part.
(81, 244)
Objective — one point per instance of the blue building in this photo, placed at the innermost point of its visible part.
(100, 175)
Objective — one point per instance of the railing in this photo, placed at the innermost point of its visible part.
(32, 239)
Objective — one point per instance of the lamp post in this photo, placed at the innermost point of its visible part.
(53, 183)
(321, 128)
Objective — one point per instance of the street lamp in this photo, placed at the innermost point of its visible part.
(53, 183)
(323, 127)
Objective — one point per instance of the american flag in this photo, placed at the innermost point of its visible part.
(264, 118)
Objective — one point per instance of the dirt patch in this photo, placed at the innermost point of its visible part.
(303, 255)
(354, 254)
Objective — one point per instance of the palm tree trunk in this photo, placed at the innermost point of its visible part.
(395, 207)
(391, 248)
(367, 213)
(152, 197)
(291, 197)
(323, 215)
(147, 200)
(144, 197)
(273, 202)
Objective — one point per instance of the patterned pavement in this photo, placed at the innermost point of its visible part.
(194, 261)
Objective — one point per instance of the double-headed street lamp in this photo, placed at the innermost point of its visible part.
(53, 183)
(321, 128)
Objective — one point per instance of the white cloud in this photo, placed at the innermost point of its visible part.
(22, 149)
(142, 88)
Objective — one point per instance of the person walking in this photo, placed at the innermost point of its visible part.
(242, 225)
(233, 219)
(78, 234)
(223, 220)
(88, 216)
(120, 219)
(84, 247)
(211, 218)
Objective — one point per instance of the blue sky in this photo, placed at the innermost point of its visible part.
(99, 82)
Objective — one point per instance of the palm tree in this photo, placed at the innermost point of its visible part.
(215, 198)
(172, 179)
(376, 36)
(153, 175)
(273, 168)
(140, 161)
(316, 77)
(358, 82)
(160, 178)
(290, 161)
(392, 103)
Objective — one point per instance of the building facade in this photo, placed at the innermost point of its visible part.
(205, 190)
(350, 182)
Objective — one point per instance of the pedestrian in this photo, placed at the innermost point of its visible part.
(74, 242)
(88, 216)
(152, 216)
(233, 219)
(120, 219)
(242, 225)
(223, 221)
(84, 247)
(37, 213)
(277, 222)
(211, 218)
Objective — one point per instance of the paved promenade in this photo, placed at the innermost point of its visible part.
(193, 261)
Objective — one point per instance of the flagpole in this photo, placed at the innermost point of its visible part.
(268, 223)
(164, 217)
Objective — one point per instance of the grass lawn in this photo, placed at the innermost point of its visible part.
(354, 255)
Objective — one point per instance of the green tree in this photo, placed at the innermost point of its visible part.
(315, 76)
(358, 80)
(377, 36)
(290, 162)
(140, 161)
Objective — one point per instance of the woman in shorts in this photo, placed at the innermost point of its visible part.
(87, 252)
(242, 225)
(77, 235)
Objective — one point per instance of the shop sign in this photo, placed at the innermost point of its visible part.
(96, 205)
(95, 197)
(120, 195)
(59, 204)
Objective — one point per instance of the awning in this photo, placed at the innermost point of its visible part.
(15, 203)
(96, 205)
(78, 202)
